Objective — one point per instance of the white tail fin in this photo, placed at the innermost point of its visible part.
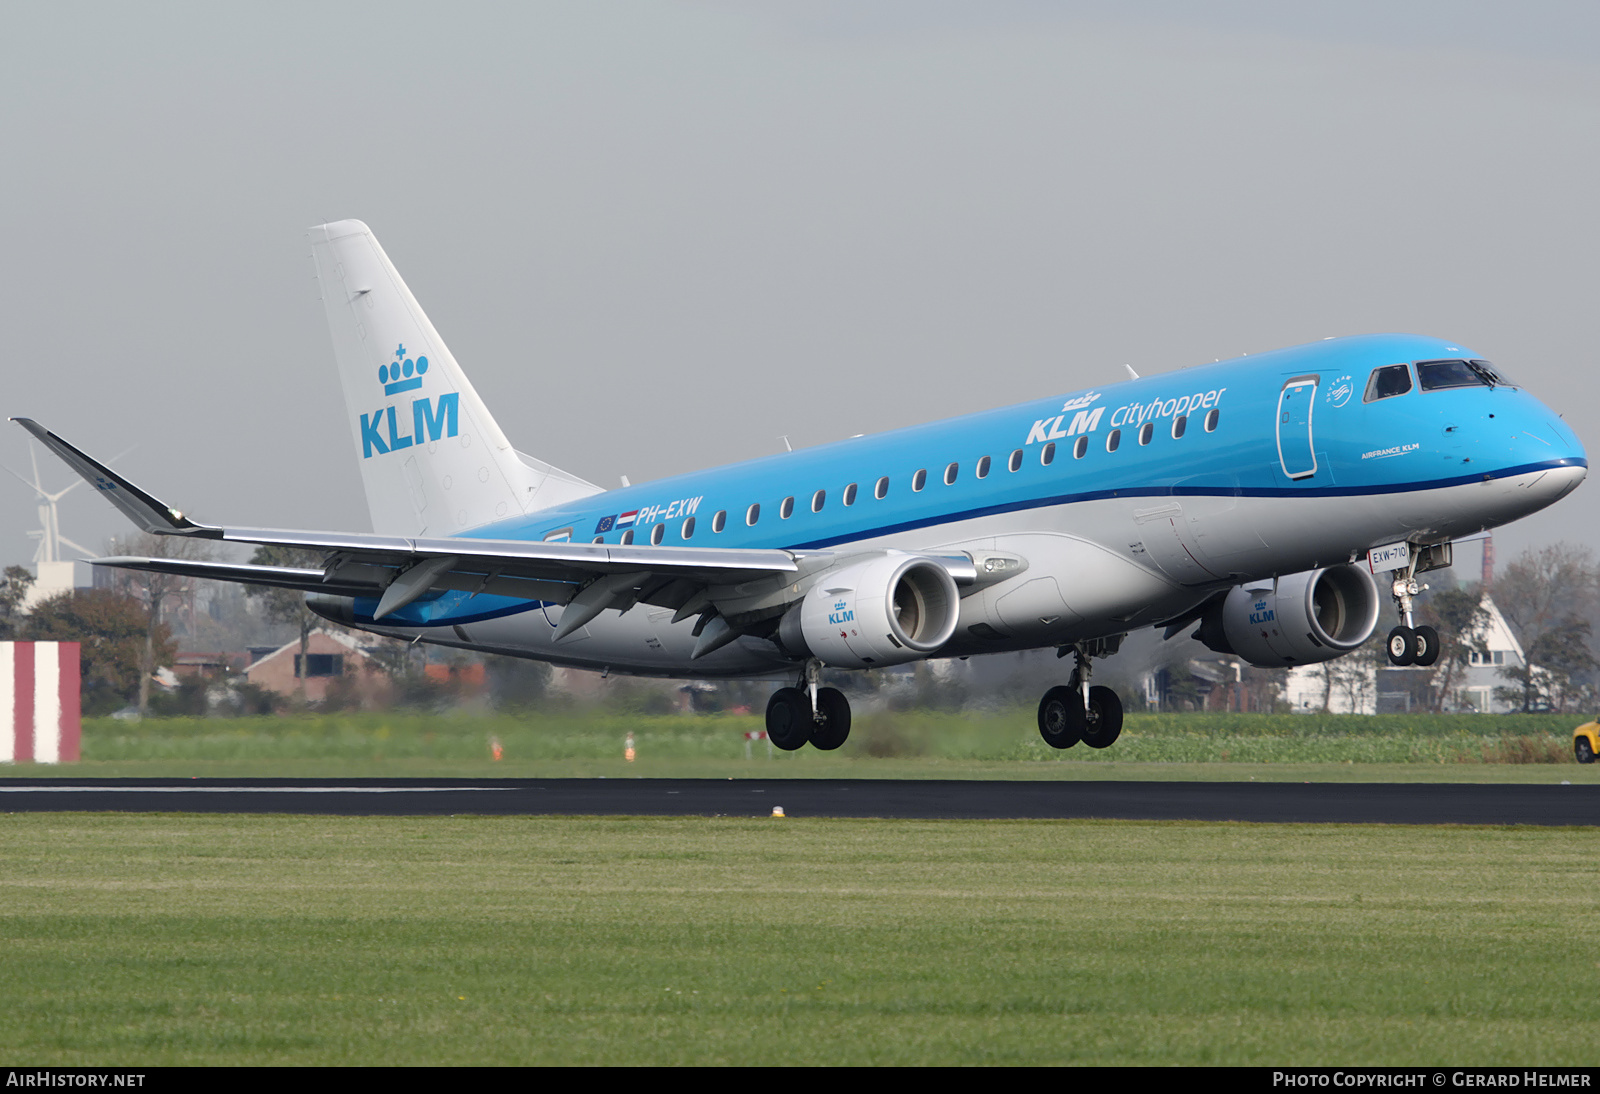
(432, 458)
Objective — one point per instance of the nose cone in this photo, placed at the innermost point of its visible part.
(1557, 483)
(1567, 441)
(1545, 438)
(1531, 451)
(1514, 432)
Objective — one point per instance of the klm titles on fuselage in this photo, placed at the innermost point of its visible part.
(1085, 420)
(430, 419)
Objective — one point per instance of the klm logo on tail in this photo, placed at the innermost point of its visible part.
(430, 419)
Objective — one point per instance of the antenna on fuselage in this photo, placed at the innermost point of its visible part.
(1132, 375)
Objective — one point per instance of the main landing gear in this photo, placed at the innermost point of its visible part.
(1410, 644)
(808, 713)
(1079, 712)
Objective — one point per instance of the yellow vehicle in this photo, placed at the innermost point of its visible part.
(1586, 742)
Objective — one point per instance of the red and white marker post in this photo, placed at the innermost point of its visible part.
(39, 690)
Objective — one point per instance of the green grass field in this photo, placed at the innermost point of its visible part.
(146, 939)
(157, 939)
(916, 744)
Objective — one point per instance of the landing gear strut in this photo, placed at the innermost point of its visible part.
(1079, 712)
(1408, 643)
(807, 712)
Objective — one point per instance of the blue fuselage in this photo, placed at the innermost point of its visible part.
(1203, 477)
(1351, 447)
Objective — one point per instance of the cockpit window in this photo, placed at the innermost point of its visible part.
(1494, 374)
(1437, 375)
(1388, 381)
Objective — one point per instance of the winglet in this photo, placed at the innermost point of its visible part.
(138, 506)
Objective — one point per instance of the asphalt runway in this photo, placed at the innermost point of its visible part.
(1275, 803)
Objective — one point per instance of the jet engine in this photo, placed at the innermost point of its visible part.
(883, 609)
(1311, 617)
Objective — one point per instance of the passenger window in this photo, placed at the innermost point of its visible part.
(983, 468)
(850, 494)
(881, 490)
(786, 510)
(627, 537)
(1386, 382)
(598, 539)
(950, 474)
(1113, 439)
(688, 528)
(1179, 424)
(657, 534)
(919, 480)
(720, 521)
(752, 514)
(1080, 447)
(1047, 456)
(1146, 431)
(1015, 463)
(817, 500)
(1212, 417)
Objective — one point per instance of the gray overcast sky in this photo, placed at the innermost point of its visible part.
(661, 236)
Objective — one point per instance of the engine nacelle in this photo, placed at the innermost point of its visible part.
(1313, 617)
(884, 609)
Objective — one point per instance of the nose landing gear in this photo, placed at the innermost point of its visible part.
(1408, 643)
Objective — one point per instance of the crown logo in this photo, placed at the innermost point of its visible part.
(1080, 402)
(402, 374)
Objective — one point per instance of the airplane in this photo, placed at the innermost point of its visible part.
(1259, 500)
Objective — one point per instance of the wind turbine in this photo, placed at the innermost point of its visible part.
(51, 574)
(49, 533)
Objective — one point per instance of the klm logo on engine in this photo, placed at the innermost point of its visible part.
(429, 420)
(1260, 613)
(841, 614)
